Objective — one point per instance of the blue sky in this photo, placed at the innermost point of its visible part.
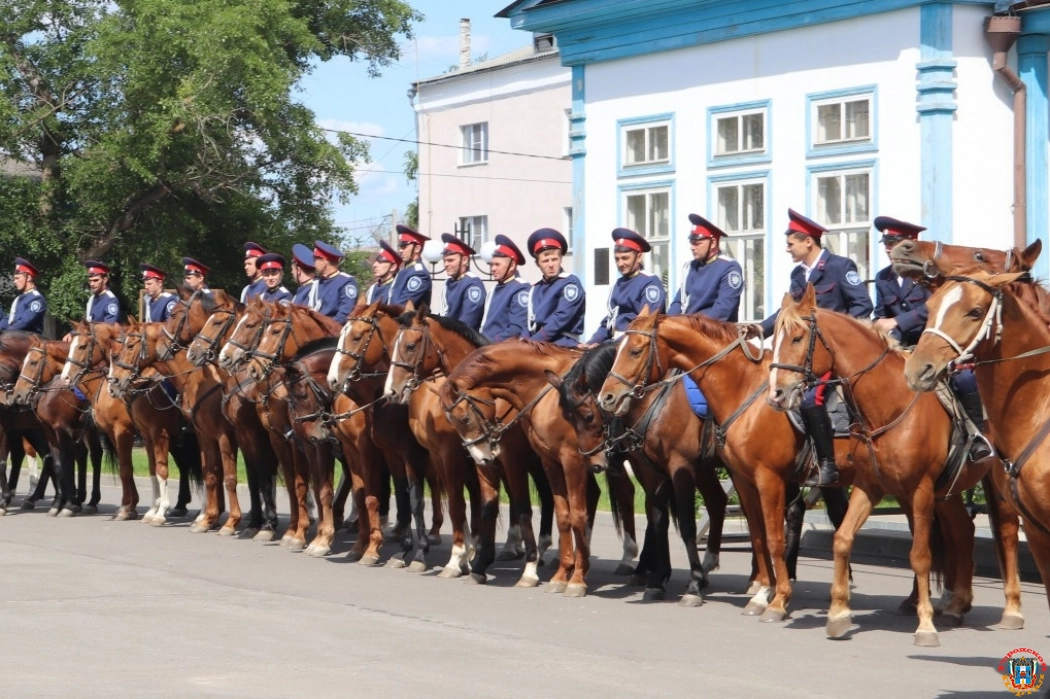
(343, 97)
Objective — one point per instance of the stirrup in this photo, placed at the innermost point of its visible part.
(817, 480)
(980, 448)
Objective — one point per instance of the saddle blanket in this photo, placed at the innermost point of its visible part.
(696, 397)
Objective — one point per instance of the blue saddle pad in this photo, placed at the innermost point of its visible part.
(169, 390)
(696, 397)
(79, 394)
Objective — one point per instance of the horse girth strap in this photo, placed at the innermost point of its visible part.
(722, 430)
(1013, 469)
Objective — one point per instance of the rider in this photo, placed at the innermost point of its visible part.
(193, 274)
(103, 305)
(304, 273)
(464, 292)
(158, 304)
(384, 268)
(29, 307)
(334, 293)
(507, 309)
(271, 267)
(256, 285)
(557, 302)
(900, 310)
(839, 288)
(412, 282)
(711, 284)
(633, 291)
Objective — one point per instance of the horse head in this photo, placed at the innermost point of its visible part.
(637, 364)
(246, 335)
(363, 348)
(474, 418)
(223, 313)
(32, 375)
(309, 405)
(138, 352)
(931, 261)
(964, 312)
(578, 398)
(800, 353)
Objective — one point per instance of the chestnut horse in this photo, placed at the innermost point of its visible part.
(969, 318)
(909, 436)
(759, 445)
(18, 422)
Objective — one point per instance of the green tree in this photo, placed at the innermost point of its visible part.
(164, 127)
(411, 173)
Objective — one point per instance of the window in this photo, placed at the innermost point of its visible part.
(475, 143)
(742, 215)
(568, 132)
(567, 222)
(843, 206)
(740, 133)
(649, 213)
(646, 145)
(474, 230)
(842, 121)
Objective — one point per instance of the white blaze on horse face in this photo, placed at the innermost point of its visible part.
(951, 298)
(777, 342)
(388, 387)
(228, 355)
(336, 367)
(67, 368)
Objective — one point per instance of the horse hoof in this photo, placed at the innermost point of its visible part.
(478, 578)
(91, 509)
(434, 539)
(1011, 622)
(637, 580)
(198, 528)
(624, 569)
(927, 639)
(907, 608)
(66, 512)
(177, 512)
(28, 504)
(576, 591)
(227, 531)
(248, 533)
(450, 572)
(53, 512)
(317, 551)
(417, 567)
(754, 608)
(527, 582)
(395, 535)
(557, 587)
(3, 511)
(296, 545)
(773, 616)
(510, 555)
(690, 601)
(368, 561)
(158, 522)
(951, 619)
(397, 563)
(264, 535)
(654, 594)
(354, 556)
(838, 627)
(122, 516)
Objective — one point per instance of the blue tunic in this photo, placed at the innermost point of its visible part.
(27, 313)
(276, 295)
(903, 300)
(104, 308)
(507, 312)
(253, 290)
(302, 294)
(629, 295)
(556, 310)
(412, 283)
(465, 300)
(158, 309)
(335, 296)
(713, 288)
(838, 286)
(379, 292)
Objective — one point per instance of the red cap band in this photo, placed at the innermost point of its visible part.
(318, 252)
(253, 252)
(389, 256)
(150, 274)
(454, 247)
(798, 227)
(628, 243)
(504, 250)
(26, 270)
(92, 271)
(194, 268)
(545, 243)
(271, 264)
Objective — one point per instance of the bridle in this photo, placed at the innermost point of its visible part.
(37, 381)
(491, 431)
(85, 367)
(993, 316)
(248, 347)
(359, 357)
(134, 370)
(426, 342)
(174, 345)
(809, 378)
(211, 344)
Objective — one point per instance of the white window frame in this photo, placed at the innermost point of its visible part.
(715, 115)
(646, 124)
(845, 143)
(748, 241)
(660, 261)
(850, 236)
(475, 144)
(567, 225)
(479, 230)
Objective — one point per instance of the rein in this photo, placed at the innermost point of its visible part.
(174, 345)
(493, 431)
(359, 357)
(210, 353)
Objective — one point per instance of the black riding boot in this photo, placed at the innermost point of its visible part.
(980, 448)
(818, 426)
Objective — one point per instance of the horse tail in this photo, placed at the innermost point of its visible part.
(187, 454)
(614, 503)
(109, 453)
(938, 552)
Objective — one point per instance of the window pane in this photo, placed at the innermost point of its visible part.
(856, 198)
(754, 131)
(829, 122)
(636, 214)
(857, 124)
(661, 216)
(728, 137)
(660, 259)
(634, 150)
(829, 200)
(754, 207)
(729, 209)
(658, 143)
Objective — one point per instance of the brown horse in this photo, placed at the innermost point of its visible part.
(200, 399)
(759, 445)
(909, 436)
(18, 422)
(970, 316)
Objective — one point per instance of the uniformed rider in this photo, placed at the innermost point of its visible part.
(384, 268)
(271, 267)
(464, 292)
(557, 302)
(304, 273)
(633, 291)
(256, 285)
(194, 273)
(412, 282)
(334, 292)
(157, 303)
(102, 305)
(711, 284)
(30, 306)
(507, 307)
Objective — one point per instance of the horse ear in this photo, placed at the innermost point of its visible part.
(788, 301)
(1000, 280)
(645, 311)
(1031, 254)
(184, 292)
(553, 379)
(410, 306)
(371, 310)
(809, 299)
(424, 310)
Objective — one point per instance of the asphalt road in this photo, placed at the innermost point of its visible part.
(97, 608)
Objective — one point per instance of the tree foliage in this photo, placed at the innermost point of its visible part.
(163, 128)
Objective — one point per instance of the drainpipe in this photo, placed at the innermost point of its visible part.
(1001, 33)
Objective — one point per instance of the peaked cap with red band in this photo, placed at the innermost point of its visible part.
(27, 267)
(327, 252)
(387, 253)
(546, 239)
(151, 272)
(505, 247)
(797, 223)
(627, 240)
(96, 268)
(303, 256)
(254, 250)
(191, 265)
(702, 229)
(894, 230)
(407, 235)
(455, 245)
(270, 260)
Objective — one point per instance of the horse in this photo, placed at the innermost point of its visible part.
(759, 445)
(425, 350)
(18, 422)
(930, 261)
(200, 400)
(970, 316)
(908, 436)
(70, 432)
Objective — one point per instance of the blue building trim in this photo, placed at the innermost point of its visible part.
(628, 187)
(590, 31)
(768, 248)
(868, 146)
(623, 125)
(936, 108)
(1031, 62)
(578, 153)
(716, 113)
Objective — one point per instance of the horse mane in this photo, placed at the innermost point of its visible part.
(321, 319)
(715, 329)
(1034, 294)
(592, 368)
(387, 309)
(453, 325)
(13, 340)
(318, 345)
(472, 369)
(209, 305)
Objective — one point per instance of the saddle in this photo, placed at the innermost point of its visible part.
(959, 442)
(837, 409)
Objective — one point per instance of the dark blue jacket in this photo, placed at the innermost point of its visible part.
(27, 313)
(507, 314)
(104, 308)
(556, 310)
(629, 295)
(412, 283)
(335, 296)
(158, 309)
(713, 289)
(838, 286)
(903, 300)
(465, 300)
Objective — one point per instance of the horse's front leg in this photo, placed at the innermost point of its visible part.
(228, 451)
(576, 472)
(862, 500)
(771, 492)
(921, 563)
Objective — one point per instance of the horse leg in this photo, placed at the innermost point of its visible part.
(419, 540)
(546, 495)
(342, 491)
(793, 517)
(621, 502)
(577, 476)
(513, 546)
(957, 547)
(211, 462)
(47, 474)
(95, 452)
(252, 467)
(437, 514)
(771, 492)
(403, 522)
(1005, 524)
(298, 481)
(922, 509)
(323, 470)
(657, 549)
(453, 464)
(556, 477)
(516, 464)
(183, 454)
(762, 574)
(861, 503)
(705, 479)
(594, 494)
(123, 443)
(485, 551)
(228, 450)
